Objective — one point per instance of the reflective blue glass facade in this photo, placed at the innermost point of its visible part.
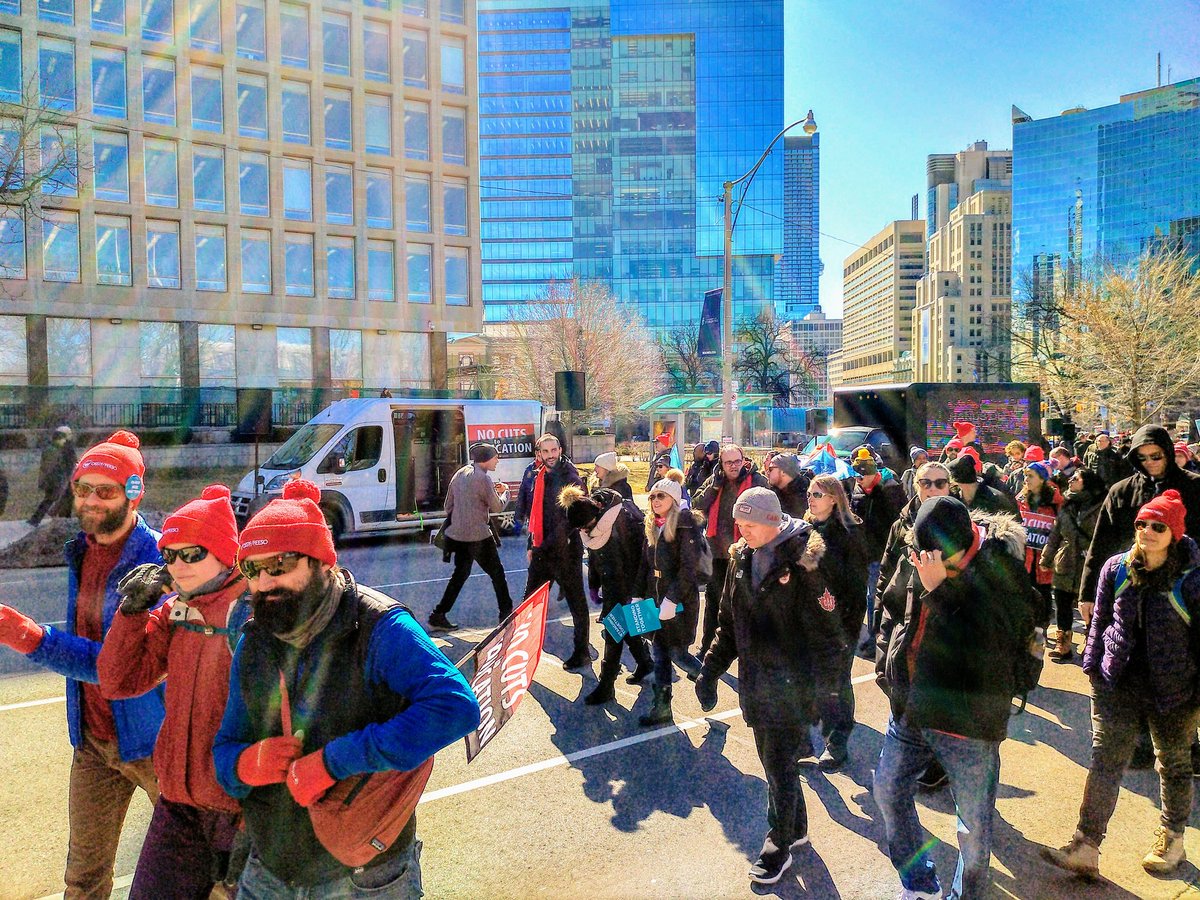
(798, 272)
(1105, 184)
(607, 130)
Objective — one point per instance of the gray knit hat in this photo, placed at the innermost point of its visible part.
(788, 464)
(758, 505)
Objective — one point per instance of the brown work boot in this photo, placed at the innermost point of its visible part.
(1063, 650)
(1079, 856)
(1167, 852)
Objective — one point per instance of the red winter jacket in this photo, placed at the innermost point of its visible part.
(140, 650)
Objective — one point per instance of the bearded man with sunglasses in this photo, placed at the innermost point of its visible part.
(189, 640)
(112, 740)
(330, 680)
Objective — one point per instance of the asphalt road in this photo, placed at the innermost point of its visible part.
(574, 801)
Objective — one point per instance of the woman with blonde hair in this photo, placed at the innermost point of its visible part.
(844, 567)
(668, 575)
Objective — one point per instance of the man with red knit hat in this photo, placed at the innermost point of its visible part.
(189, 640)
(330, 680)
(112, 740)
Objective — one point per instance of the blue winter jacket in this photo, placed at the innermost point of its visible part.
(137, 719)
(1170, 646)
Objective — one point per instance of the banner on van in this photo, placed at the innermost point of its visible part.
(501, 669)
(512, 441)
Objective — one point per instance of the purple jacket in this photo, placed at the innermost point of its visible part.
(1172, 659)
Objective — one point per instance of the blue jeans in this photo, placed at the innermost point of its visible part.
(974, 770)
(872, 583)
(396, 879)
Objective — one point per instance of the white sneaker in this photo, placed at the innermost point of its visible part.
(1167, 852)
(908, 894)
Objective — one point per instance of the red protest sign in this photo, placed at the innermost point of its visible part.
(501, 668)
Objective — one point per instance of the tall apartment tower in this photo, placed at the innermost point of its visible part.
(964, 301)
(799, 270)
(271, 194)
(879, 283)
(607, 128)
(952, 177)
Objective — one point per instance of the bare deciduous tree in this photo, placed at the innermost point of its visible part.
(687, 371)
(581, 326)
(770, 362)
(39, 154)
(1123, 336)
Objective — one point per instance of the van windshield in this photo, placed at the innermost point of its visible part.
(302, 446)
(843, 439)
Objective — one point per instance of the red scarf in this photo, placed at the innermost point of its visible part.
(539, 495)
(711, 531)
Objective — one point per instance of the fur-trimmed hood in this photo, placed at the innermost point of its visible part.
(999, 527)
(806, 553)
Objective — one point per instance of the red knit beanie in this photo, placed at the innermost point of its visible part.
(1035, 454)
(954, 444)
(207, 522)
(1167, 508)
(963, 429)
(293, 523)
(117, 458)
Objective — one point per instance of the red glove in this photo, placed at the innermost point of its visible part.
(308, 779)
(267, 761)
(19, 631)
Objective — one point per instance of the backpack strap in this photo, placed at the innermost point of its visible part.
(1176, 597)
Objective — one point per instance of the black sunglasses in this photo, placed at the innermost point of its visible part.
(280, 564)
(1156, 527)
(82, 489)
(187, 554)
(928, 483)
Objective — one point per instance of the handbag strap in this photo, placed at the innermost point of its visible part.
(285, 707)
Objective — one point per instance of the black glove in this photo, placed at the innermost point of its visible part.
(142, 588)
(706, 692)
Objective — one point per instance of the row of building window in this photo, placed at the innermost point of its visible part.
(164, 267)
(159, 352)
(295, 124)
(293, 32)
(110, 182)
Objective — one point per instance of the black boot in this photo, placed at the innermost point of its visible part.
(660, 712)
(609, 667)
(641, 654)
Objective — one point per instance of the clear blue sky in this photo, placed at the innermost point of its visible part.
(890, 82)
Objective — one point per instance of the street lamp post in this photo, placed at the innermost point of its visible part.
(728, 418)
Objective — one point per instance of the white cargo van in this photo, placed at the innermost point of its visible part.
(383, 465)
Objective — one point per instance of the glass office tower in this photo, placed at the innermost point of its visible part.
(1105, 184)
(607, 130)
(799, 270)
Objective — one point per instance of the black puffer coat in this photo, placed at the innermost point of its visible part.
(844, 566)
(1114, 528)
(668, 570)
(614, 566)
(786, 637)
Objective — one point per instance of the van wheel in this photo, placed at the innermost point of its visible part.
(507, 522)
(336, 522)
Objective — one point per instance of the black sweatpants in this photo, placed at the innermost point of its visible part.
(563, 564)
(778, 751)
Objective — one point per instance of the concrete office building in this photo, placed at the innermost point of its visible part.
(963, 311)
(819, 337)
(879, 283)
(273, 194)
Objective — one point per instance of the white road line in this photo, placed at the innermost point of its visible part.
(29, 703)
(555, 761)
(120, 883)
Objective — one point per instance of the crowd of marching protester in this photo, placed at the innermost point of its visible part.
(283, 717)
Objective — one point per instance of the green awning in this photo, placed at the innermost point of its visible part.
(700, 403)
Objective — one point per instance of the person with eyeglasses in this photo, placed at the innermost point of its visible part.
(845, 568)
(364, 689)
(1152, 456)
(1141, 658)
(188, 638)
(733, 475)
(789, 482)
(112, 741)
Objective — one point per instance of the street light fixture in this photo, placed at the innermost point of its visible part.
(727, 397)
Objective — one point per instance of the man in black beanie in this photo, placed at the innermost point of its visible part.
(950, 695)
(470, 501)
